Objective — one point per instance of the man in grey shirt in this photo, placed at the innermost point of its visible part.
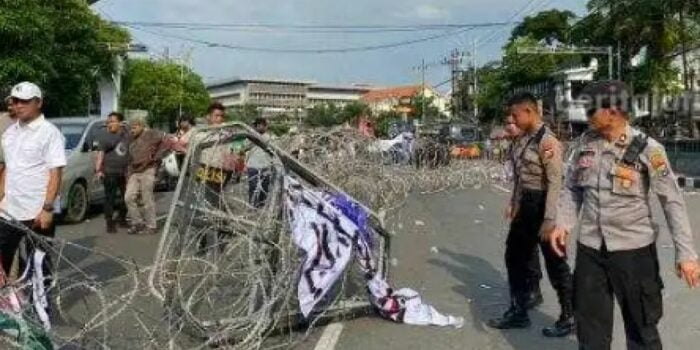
(112, 162)
(614, 170)
(259, 164)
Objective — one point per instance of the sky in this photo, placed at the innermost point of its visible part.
(393, 66)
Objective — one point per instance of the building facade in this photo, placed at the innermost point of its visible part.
(278, 96)
(399, 98)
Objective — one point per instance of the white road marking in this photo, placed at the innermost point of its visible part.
(498, 187)
(330, 337)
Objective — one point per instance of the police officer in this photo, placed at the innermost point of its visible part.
(613, 170)
(538, 179)
(514, 134)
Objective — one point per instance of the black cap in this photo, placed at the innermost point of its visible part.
(606, 94)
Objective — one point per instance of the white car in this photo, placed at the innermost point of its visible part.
(80, 187)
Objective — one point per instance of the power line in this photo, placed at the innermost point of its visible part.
(415, 27)
(301, 51)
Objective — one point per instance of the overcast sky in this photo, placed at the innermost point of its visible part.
(381, 67)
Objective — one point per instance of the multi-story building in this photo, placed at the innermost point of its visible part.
(279, 96)
(399, 98)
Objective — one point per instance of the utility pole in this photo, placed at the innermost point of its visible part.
(475, 91)
(619, 61)
(422, 68)
(454, 61)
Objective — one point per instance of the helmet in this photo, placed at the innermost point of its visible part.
(171, 166)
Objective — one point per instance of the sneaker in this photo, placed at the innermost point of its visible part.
(135, 229)
(151, 231)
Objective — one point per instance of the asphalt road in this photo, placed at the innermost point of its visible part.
(456, 261)
(449, 247)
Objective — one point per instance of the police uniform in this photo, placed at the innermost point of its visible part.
(610, 184)
(538, 178)
(534, 268)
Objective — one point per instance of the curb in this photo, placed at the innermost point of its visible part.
(688, 182)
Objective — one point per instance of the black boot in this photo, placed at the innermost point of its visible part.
(534, 299)
(515, 317)
(111, 227)
(563, 327)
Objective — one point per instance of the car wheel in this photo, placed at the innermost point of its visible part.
(77, 203)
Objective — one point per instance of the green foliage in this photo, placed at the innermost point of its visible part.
(657, 28)
(354, 111)
(327, 115)
(323, 115)
(546, 25)
(383, 121)
(246, 113)
(428, 102)
(494, 88)
(58, 44)
(160, 86)
(279, 129)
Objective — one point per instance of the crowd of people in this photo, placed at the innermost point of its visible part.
(604, 189)
(129, 153)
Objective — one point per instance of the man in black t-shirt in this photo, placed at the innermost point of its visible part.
(112, 162)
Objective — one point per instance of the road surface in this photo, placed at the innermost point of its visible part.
(449, 247)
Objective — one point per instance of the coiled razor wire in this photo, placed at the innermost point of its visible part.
(225, 272)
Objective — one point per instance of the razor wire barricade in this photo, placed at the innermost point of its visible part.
(226, 273)
(227, 270)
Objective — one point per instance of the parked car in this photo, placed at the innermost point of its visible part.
(80, 187)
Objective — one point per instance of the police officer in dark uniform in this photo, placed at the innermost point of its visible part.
(538, 177)
(613, 172)
(515, 135)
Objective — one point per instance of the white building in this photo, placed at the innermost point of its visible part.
(280, 96)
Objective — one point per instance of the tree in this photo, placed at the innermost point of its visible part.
(420, 102)
(328, 114)
(323, 115)
(353, 111)
(59, 44)
(384, 119)
(546, 25)
(161, 87)
(661, 28)
(246, 113)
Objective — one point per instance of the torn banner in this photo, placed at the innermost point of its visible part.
(327, 235)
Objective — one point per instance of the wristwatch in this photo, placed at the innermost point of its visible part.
(48, 207)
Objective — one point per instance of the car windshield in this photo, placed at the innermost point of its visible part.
(72, 132)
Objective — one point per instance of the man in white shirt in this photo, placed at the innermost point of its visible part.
(34, 160)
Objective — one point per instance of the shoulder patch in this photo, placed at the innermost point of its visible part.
(548, 147)
(658, 162)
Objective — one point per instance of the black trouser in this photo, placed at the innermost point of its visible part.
(115, 188)
(213, 195)
(10, 238)
(534, 270)
(631, 276)
(258, 186)
(521, 245)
